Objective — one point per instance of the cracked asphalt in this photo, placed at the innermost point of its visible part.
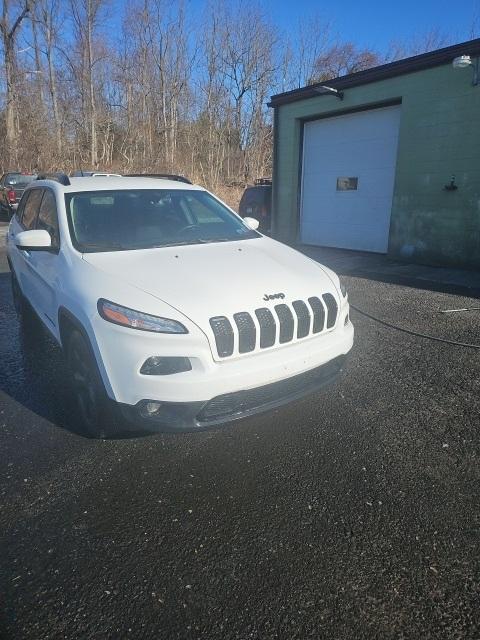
(353, 513)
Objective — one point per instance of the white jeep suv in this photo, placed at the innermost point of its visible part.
(171, 309)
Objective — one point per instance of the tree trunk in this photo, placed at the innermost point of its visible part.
(91, 89)
(11, 108)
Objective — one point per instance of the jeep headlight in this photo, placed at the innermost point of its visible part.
(126, 317)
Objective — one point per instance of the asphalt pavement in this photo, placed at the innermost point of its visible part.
(353, 513)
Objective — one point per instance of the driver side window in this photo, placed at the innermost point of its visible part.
(48, 219)
(30, 209)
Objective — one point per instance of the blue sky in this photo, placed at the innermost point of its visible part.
(368, 23)
(375, 23)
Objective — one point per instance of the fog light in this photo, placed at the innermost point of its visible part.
(150, 408)
(165, 366)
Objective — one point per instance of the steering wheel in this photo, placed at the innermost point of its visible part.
(188, 227)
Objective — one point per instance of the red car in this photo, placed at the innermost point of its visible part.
(12, 186)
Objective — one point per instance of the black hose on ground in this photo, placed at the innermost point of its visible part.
(414, 333)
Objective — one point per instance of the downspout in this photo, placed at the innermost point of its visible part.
(274, 202)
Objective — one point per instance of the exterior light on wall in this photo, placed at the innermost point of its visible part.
(452, 186)
(323, 90)
(462, 62)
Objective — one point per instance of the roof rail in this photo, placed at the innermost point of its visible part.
(58, 176)
(263, 181)
(79, 173)
(165, 176)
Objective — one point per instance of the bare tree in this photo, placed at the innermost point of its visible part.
(48, 16)
(87, 17)
(9, 29)
(247, 43)
(341, 59)
(313, 38)
(417, 44)
(474, 30)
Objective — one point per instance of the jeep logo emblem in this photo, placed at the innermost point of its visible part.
(273, 296)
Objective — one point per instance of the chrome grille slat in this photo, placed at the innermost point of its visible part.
(247, 332)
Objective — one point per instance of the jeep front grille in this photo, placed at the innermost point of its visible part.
(310, 317)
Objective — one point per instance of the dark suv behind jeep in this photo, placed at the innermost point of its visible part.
(256, 203)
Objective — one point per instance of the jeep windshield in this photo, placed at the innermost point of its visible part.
(129, 219)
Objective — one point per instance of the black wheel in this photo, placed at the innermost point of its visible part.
(92, 401)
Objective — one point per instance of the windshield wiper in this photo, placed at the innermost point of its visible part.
(245, 237)
(180, 243)
(103, 247)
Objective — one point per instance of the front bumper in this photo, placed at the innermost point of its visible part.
(189, 416)
(122, 352)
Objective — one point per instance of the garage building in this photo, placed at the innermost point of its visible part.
(384, 160)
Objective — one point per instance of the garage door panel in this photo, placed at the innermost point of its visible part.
(346, 216)
(334, 232)
(345, 158)
(363, 146)
(362, 241)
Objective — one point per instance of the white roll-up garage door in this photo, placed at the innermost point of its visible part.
(348, 175)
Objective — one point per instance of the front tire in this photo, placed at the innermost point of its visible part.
(94, 411)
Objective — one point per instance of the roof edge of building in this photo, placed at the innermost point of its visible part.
(389, 70)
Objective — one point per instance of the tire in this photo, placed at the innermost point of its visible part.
(95, 413)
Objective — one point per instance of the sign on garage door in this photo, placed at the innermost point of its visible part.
(348, 175)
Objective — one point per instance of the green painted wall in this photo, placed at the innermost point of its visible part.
(439, 136)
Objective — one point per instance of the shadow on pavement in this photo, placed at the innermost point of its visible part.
(33, 371)
(374, 266)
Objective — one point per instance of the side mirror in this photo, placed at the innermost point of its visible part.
(253, 223)
(34, 240)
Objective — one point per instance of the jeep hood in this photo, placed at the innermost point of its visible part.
(215, 279)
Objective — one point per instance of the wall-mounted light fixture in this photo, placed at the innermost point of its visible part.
(462, 62)
(452, 186)
(324, 90)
